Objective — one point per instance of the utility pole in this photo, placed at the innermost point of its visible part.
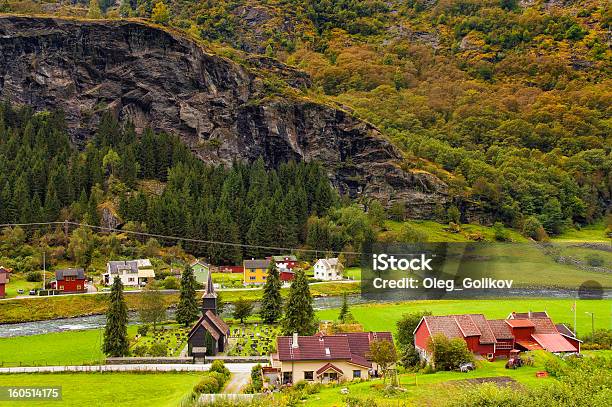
(592, 324)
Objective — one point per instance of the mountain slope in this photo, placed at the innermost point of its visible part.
(222, 110)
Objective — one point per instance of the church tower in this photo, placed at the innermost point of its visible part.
(209, 299)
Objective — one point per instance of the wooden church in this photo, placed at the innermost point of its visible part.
(210, 334)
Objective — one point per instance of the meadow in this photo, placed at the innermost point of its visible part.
(111, 389)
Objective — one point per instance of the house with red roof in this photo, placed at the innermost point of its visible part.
(497, 337)
(326, 358)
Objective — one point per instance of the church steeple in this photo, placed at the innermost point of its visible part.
(209, 299)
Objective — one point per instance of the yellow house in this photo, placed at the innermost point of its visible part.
(255, 271)
(325, 358)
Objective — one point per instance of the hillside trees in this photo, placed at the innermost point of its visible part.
(116, 342)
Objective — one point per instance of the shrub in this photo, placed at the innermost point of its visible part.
(208, 385)
(501, 233)
(140, 350)
(410, 357)
(256, 379)
(449, 354)
(595, 260)
(143, 330)
(171, 283)
(34, 276)
(158, 349)
(219, 366)
(220, 378)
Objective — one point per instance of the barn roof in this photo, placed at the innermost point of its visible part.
(500, 329)
(61, 274)
(554, 342)
(520, 323)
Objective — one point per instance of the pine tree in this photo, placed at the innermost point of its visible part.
(271, 302)
(116, 342)
(187, 310)
(345, 315)
(299, 314)
(94, 10)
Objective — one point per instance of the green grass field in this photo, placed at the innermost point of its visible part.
(589, 233)
(437, 232)
(58, 348)
(110, 389)
(18, 282)
(420, 387)
(383, 317)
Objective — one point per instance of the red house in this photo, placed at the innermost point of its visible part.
(231, 269)
(287, 275)
(285, 262)
(70, 281)
(496, 338)
(3, 281)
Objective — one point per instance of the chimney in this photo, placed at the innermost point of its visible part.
(294, 343)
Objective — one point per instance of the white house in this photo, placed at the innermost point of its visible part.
(328, 269)
(131, 272)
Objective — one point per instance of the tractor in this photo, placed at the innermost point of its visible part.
(514, 360)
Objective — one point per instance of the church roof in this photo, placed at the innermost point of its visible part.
(210, 288)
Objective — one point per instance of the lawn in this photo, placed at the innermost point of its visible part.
(58, 348)
(111, 389)
(382, 317)
(589, 233)
(421, 385)
(228, 279)
(438, 232)
(18, 282)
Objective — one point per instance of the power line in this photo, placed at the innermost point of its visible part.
(159, 236)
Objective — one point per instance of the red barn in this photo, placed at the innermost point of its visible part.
(3, 281)
(496, 338)
(70, 281)
(287, 275)
(231, 269)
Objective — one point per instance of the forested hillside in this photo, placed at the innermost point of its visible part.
(508, 102)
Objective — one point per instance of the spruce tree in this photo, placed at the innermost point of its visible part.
(115, 332)
(271, 301)
(187, 310)
(299, 314)
(345, 315)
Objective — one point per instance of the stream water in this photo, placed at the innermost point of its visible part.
(98, 321)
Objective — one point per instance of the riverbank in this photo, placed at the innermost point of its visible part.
(70, 306)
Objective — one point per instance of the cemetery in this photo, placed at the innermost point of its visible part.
(252, 339)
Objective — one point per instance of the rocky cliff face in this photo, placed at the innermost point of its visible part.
(222, 110)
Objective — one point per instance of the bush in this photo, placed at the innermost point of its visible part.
(449, 354)
(171, 283)
(140, 350)
(595, 260)
(143, 330)
(208, 385)
(158, 349)
(34, 277)
(219, 377)
(219, 367)
(501, 233)
(410, 357)
(256, 379)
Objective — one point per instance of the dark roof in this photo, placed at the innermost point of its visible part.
(359, 342)
(257, 264)
(352, 347)
(212, 324)
(115, 266)
(564, 330)
(78, 273)
(500, 329)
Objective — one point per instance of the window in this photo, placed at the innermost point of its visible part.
(356, 374)
(78, 287)
(490, 356)
(309, 375)
(131, 279)
(61, 287)
(253, 278)
(287, 377)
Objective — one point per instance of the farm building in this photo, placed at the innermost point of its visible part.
(210, 334)
(325, 358)
(285, 262)
(4, 278)
(70, 281)
(497, 337)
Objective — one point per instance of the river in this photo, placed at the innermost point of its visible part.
(98, 321)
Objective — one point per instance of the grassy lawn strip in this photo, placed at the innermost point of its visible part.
(67, 306)
(382, 317)
(111, 389)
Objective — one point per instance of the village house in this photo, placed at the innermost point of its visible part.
(285, 262)
(255, 271)
(497, 337)
(210, 334)
(134, 273)
(70, 281)
(231, 269)
(328, 269)
(200, 271)
(325, 358)
(4, 279)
